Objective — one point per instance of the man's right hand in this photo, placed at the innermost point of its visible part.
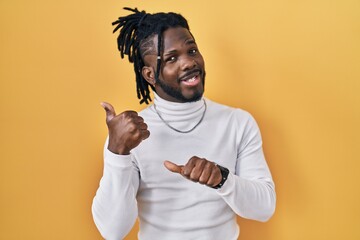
(126, 130)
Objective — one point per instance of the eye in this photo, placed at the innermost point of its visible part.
(171, 59)
(193, 51)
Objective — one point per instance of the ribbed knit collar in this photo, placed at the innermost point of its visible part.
(174, 112)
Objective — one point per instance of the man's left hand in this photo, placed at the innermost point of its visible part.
(197, 170)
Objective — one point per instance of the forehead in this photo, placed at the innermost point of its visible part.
(176, 37)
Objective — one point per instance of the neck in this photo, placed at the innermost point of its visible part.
(184, 117)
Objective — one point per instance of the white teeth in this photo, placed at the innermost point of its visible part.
(191, 79)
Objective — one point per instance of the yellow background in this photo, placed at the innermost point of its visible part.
(295, 65)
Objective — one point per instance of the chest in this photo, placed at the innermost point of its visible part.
(215, 142)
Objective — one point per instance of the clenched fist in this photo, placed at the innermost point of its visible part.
(126, 130)
(197, 170)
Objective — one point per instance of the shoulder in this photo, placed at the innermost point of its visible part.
(221, 110)
(238, 119)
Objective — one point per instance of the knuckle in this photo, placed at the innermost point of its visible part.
(132, 128)
(136, 134)
(125, 114)
(214, 170)
(186, 173)
(208, 166)
(193, 178)
(202, 180)
(129, 114)
(193, 159)
(202, 162)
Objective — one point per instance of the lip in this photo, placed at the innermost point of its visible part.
(192, 81)
(194, 73)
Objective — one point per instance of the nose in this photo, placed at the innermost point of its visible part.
(188, 63)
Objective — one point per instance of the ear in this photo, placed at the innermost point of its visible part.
(149, 75)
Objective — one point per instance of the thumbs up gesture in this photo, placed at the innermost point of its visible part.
(198, 170)
(126, 130)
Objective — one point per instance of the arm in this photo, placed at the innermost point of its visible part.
(250, 192)
(114, 206)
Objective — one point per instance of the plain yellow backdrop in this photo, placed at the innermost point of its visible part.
(295, 65)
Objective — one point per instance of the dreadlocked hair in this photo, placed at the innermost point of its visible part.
(136, 40)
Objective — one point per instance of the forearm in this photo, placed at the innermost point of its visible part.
(114, 206)
(252, 199)
(249, 189)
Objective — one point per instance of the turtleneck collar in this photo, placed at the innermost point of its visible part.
(179, 112)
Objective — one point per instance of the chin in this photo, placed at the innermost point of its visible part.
(196, 96)
(180, 95)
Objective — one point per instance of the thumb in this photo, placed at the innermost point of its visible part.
(110, 111)
(173, 167)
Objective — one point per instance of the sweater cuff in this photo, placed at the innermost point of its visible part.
(116, 160)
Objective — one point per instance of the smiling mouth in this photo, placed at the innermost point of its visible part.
(191, 76)
(192, 81)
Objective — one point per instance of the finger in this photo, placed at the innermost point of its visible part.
(142, 126)
(110, 111)
(215, 177)
(145, 134)
(189, 166)
(139, 119)
(197, 170)
(205, 175)
(131, 114)
(173, 167)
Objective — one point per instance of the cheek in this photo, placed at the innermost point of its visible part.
(169, 74)
(200, 60)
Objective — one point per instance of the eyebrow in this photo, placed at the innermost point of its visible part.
(190, 41)
(187, 42)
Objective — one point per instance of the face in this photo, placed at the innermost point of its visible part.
(182, 72)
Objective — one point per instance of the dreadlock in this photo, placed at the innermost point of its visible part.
(136, 40)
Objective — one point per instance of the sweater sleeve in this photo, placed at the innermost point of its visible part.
(114, 206)
(250, 191)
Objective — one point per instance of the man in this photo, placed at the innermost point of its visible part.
(186, 166)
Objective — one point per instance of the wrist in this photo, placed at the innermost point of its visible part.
(118, 150)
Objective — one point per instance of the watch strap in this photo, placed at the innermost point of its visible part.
(224, 173)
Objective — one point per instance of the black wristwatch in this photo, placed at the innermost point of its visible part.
(224, 173)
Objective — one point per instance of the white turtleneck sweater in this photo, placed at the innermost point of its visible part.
(171, 207)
